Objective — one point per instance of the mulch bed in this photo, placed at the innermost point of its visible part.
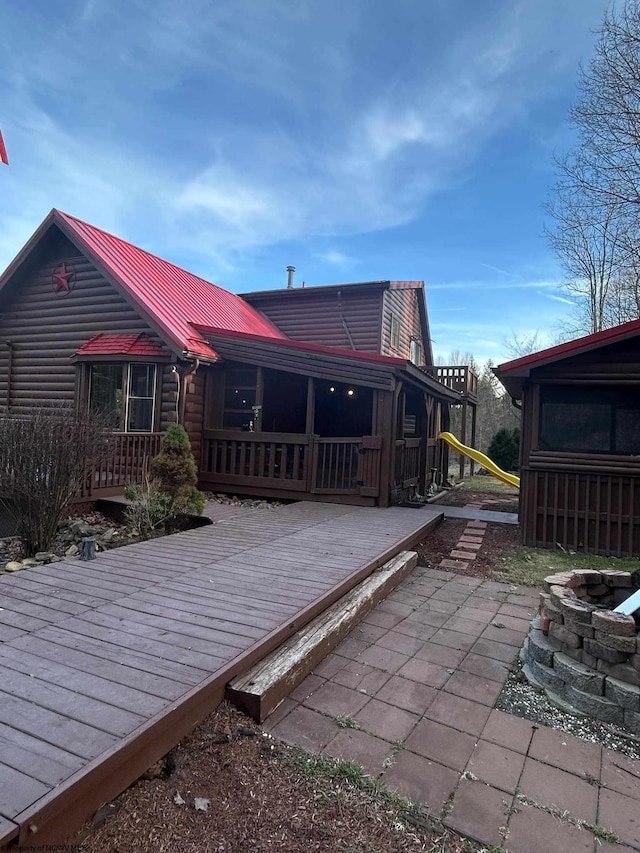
(260, 797)
(499, 540)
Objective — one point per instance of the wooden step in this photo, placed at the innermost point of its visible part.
(263, 687)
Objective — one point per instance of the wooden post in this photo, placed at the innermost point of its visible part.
(387, 456)
(463, 435)
(311, 406)
(474, 413)
(311, 451)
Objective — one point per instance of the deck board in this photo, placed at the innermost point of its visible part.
(105, 665)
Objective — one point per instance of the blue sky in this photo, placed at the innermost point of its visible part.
(357, 140)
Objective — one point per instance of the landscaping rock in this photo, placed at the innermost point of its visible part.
(614, 623)
(580, 676)
(576, 611)
(540, 648)
(29, 563)
(546, 677)
(72, 551)
(589, 577)
(565, 636)
(613, 641)
(620, 671)
(614, 577)
(632, 721)
(595, 706)
(13, 566)
(625, 695)
(45, 557)
(598, 650)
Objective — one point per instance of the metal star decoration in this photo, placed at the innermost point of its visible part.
(62, 280)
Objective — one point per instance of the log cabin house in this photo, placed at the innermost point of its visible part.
(326, 393)
(580, 442)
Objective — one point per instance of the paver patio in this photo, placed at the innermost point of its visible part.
(420, 677)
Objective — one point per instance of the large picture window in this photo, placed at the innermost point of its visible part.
(589, 420)
(125, 394)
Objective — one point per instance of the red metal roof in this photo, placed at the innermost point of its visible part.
(570, 348)
(307, 347)
(172, 298)
(139, 344)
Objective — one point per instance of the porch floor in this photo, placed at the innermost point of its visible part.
(104, 666)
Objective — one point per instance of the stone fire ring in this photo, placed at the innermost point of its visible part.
(583, 655)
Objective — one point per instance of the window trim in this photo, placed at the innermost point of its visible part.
(126, 366)
(394, 337)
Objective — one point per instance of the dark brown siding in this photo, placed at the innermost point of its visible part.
(46, 328)
(194, 409)
(403, 305)
(582, 501)
(348, 318)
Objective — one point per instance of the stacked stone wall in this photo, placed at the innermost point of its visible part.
(582, 653)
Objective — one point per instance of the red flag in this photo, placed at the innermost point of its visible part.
(3, 151)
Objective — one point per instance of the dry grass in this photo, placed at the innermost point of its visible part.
(530, 566)
(487, 484)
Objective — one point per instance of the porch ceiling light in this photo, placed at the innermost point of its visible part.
(332, 389)
(351, 393)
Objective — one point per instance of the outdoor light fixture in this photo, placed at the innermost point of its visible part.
(351, 393)
(332, 389)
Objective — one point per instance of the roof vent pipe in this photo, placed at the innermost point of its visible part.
(290, 272)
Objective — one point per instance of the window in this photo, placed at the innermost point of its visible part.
(589, 420)
(395, 333)
(126, 394)
(416, 352)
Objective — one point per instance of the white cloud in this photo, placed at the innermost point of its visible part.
(316, 150)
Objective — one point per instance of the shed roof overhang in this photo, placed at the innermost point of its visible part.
(515, 374)
(322, 362)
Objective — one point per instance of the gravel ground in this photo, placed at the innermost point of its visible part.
(524, 700)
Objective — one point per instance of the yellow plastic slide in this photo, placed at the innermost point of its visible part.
(481, 459)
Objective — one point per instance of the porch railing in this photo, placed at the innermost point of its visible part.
(304, 463)
(255, 459)
(460, 378)
(127, 462)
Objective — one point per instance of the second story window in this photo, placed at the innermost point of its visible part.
(395, 333)
(416, 352)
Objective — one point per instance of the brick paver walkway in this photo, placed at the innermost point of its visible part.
(419, 677)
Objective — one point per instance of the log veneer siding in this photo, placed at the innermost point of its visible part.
(46, 328)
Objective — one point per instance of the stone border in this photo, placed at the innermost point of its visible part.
(582, 654)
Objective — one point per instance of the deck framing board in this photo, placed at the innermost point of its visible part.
(185, 658)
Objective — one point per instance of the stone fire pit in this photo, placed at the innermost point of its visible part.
(581, 653)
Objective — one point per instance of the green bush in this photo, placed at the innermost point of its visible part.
(505, 448)
(174, 471)
(171, 491)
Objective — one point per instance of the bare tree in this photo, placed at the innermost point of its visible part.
(595, 206)
(45, 457)
(519, 345)
(607, 114)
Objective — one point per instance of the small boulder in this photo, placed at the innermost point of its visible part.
(13, 566)
(44, 556)
(29, 563)
(72, 551)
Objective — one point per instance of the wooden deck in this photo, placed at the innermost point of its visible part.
(104, 666)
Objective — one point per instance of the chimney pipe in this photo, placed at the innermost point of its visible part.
(290, 271)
